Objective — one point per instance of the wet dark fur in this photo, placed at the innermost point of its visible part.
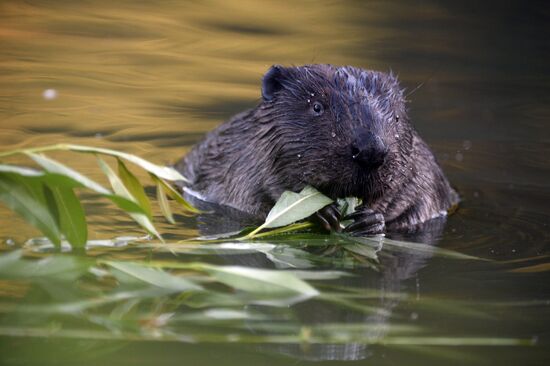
(248, 161)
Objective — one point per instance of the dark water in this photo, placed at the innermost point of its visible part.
(152, 77)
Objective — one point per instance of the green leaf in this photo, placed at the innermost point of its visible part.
(176, 196)
(53, 166)
(25, 196)
(163, 202)
(135, 188)
(121, 190)
(347, 205)
(292, 207)
(163, 172)
(62, 174)
(72, 219)
(27, 172)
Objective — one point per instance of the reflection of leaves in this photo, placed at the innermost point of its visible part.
(260, 280)
(261, 286)
(150, 303)
(541, 267)
(59, 268)
(420, 248)
(153, 276)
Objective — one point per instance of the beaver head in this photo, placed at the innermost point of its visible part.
(342, 130)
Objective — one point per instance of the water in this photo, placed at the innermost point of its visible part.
(151, 78)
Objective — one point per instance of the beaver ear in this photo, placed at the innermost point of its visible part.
(272, 82)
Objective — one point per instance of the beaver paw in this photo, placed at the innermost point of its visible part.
(329, 217)
(366, 222)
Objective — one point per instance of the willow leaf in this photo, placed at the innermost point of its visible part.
(164, 204)
(121, 190)
(292, 207)
(72, 219)
(60, 174)
(163, 172)
(53, 166)
(24, 196)
(176, 196)
(135, 188)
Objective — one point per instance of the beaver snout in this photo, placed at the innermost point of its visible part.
(368, 149)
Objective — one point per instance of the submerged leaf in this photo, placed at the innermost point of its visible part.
(292, 207)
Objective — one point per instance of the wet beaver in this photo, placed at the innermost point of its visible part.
(342, 130)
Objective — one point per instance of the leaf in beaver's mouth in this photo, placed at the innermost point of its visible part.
(292, 207)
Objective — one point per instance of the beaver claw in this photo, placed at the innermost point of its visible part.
(329, 218)
(366, 222)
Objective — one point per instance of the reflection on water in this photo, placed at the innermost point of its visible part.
(152, 77)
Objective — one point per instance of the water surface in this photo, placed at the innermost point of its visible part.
(151, 78)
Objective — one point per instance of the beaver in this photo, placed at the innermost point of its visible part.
(342, 130)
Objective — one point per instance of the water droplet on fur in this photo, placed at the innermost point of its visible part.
(333, 134)
(396, 136)
(299, 156)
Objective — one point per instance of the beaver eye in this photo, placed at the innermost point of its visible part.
(318, 108)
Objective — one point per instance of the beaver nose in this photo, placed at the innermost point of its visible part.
(368, 149)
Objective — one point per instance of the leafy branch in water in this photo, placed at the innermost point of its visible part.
(46, 198)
